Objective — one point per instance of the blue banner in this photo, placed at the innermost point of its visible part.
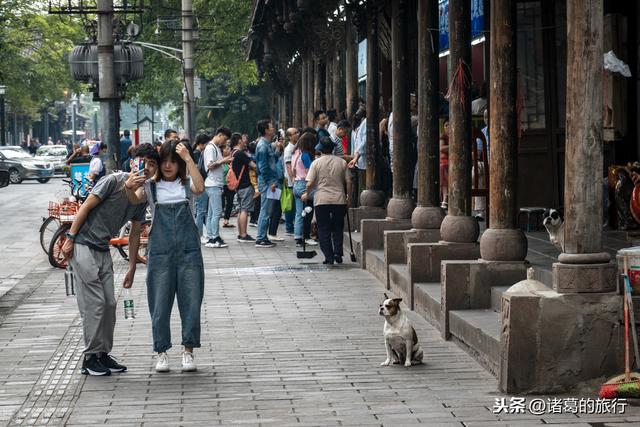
(80, 172)
(477, 21)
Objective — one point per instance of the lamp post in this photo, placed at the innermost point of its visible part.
(3, 133)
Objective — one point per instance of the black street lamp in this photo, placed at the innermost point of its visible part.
(3, 132)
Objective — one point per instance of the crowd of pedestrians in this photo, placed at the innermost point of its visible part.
(189, 189)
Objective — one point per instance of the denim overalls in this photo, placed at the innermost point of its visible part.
(175, 267)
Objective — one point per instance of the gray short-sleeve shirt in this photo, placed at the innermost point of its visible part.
(107, 218)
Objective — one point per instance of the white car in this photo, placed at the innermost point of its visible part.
(56, 154)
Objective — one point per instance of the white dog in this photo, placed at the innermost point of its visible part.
(400, 339)
(555, 227)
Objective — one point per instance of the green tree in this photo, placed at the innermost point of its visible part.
(33, 49)
(219, 50)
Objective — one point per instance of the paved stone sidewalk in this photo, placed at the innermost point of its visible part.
(283, 343)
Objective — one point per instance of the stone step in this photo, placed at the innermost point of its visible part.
(496, 297)
(376, 265)
(426, 301)
(478, 332)
(400, 282)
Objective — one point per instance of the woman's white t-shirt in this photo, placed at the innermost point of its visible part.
(166, 192)
(170, 191)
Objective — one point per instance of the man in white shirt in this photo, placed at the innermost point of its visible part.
(333, 126)
(213, 185)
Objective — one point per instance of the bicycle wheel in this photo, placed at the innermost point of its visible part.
(47, 230)
(123, 249)
(56, 258)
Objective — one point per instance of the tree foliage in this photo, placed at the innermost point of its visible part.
(33, 49)
(221, 25)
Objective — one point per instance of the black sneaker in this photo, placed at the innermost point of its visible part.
(93, 366)
(109, 362)
(246, 239)
(338, 259)
(298, 243)
(216, 243)
(264, 244)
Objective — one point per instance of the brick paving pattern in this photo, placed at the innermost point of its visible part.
(283, 343)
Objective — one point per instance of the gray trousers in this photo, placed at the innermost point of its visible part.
(93, 273)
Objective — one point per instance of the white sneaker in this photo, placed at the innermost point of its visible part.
(311, 242)
(275, 238)
(188, 362)
(162, 365)
(203, 240)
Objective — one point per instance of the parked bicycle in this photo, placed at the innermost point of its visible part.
(61, 216)
(60, 213)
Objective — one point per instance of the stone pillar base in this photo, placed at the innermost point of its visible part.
(400, 208)
(372, 199)
(459, 229)
(503, 245)
(467, 285)
(552, 342)
(427, 217)
(584, 278)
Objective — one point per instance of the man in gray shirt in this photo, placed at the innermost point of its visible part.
(100, 218)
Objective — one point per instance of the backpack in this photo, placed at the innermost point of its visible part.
(202, 168)
(232, 180)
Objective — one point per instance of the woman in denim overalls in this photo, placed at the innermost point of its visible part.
(175, 266)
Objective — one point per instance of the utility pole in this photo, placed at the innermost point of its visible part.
(74, 103)
(3, 134)
(106, 81)
(45, 114)
(187, 67)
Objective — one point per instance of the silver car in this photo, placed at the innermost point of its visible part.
(22, 166)
(56, 154)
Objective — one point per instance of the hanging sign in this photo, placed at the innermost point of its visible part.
(477, 21)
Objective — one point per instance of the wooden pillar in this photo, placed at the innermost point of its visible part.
(304, 92)
(428, 214)
(296, 102)
(328, 81)
(310, 91)
(337, 75)
(503, 241)
(284, 115)
(583, 149)
(317, 85)
(371, 196)
(401, 204)
(351, 67)
(458, 225)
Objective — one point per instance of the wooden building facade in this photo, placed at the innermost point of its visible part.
(314, 45)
